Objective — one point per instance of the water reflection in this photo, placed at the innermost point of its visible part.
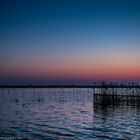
(64, 114)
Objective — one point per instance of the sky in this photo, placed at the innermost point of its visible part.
(60, 41)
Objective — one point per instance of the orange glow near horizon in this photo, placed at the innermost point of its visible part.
(115, 66)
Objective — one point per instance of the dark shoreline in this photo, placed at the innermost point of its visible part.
(70, 86)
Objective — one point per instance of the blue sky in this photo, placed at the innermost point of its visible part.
(69, 40)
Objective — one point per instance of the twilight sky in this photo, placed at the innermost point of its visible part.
(69, 40)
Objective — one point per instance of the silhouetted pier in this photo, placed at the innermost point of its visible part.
(71, 86)
(103, 93)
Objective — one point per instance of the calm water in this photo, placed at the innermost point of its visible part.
(55, 114)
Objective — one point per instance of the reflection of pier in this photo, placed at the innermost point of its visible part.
(103, 93)
(108, 96)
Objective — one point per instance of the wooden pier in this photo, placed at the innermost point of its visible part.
(105, 94)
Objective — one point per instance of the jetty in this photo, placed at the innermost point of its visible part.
(104, 93)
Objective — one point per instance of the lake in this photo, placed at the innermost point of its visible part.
(64, 114)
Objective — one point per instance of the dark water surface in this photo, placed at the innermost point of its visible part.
(67, 114)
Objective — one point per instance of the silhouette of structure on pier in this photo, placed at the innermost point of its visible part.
(104, 93)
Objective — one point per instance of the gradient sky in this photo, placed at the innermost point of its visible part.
(58, 40)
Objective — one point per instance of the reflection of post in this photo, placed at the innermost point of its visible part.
(93, 90)
(3, 93)
(93, 100)
(94, 96)
(113, 93)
